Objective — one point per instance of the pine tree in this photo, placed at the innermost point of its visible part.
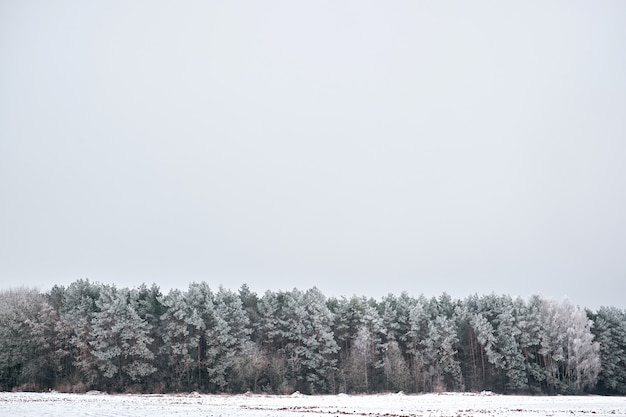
(359, 362)
(610, 331)
(319, 360)
(76, 305)
(94, 336)
(395, 320)
(272, 336)
(530, 324)
(227, 334)
(199, 299)
(440, 354)
(120, 340)
(507, 341)
(489, 357)
(177, 343)
(346, 322)
(416, 337)
(364, 335)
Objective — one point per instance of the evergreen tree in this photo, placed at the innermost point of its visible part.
(610, 331)
(395, 320)
(199, 299)
(483, 351)
(359, 362)
(530, 324)
(319, 361)
(416, 337)
(120, 340)
(76, 306)
(440, 355)
(94, 336)
(509, 349)
(272, 337)
(250, 303)
(178, 341)
(26, 335)
(433, 341)
(364, 335)
(227, 334)
(346, 322)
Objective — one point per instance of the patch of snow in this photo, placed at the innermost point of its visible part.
(297, 404)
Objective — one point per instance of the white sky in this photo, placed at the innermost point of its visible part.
(361, 147)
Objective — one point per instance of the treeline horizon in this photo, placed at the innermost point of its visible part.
(93, 336)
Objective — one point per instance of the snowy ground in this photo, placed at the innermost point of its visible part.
(391, 405)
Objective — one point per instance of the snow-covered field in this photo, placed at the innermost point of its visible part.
(390, 405)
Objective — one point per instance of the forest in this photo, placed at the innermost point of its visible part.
(93, 336)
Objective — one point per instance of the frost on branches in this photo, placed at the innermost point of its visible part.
(90, 336)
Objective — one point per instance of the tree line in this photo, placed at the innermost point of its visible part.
(92, 336)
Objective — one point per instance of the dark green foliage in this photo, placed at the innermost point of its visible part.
(94, 336)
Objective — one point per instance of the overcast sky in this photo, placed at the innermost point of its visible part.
(361, 147)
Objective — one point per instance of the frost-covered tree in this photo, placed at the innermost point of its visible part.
(359, 362)
(271, 336)
(76, 306)
(199, 299)
(295, 329)
(440, 354)
(365, 336)
(395, 316)
(583, 353)
(395, 320)
(530, 323)
(320, 356)
(416, 336)
(432, 344)
(177, 341)
(271, 325)
(610, 331)
(346, 322)
(396, 368)
(249, 365)
(373, 322)
(26, 339)
(120, 339)
(226, 334)
(203, 334)
(508, 347)
(571, 356)
(250, 303)
(499, 346)
(481, 352)
(309, 346)
(94, 336)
